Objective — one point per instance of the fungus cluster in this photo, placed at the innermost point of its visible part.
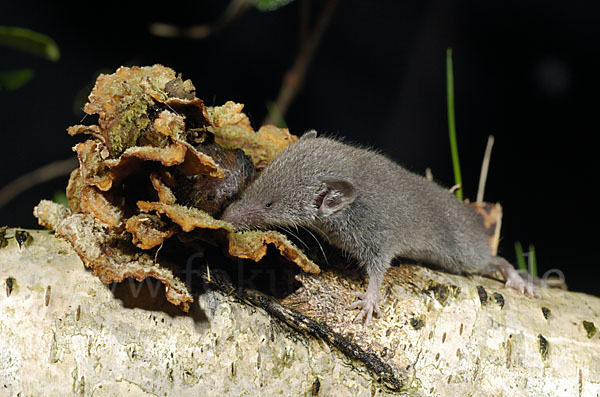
(159, 167)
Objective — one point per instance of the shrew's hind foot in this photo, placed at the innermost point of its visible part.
(513, 279)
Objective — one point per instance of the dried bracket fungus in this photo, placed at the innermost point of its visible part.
(160, 165)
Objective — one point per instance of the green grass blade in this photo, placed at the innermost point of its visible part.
(60, 197)
(452, 123)
(521, 264)
(13, 79)
(270, 5)
(532, 261)
(29, 41)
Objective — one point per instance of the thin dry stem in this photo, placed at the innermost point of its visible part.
(234, 10)
(455, 188)
(304, 20)
(428, 174)
(294, 78)
(484, 169)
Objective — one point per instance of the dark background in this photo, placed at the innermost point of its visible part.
(527, 72)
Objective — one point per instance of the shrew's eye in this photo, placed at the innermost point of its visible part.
(269, 205)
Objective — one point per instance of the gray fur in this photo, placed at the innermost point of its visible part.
(366, 204)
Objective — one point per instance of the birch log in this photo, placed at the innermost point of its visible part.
(63, 332)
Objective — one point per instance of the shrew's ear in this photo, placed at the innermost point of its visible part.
(309, 134)
(336, 195)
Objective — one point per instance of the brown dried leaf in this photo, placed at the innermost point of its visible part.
(253, 245)
(171, 125)
(50, 214)
(152, 79)
(165, 195)
(86, 129)
(148, 230)
(168, 178)
(92, 201)
(180, 153)
(249, 245)
(228, 114)
(492, 221)
(179, 88)
(195, 113)
(101, 172)
(168, 156)
(91, 155)
(186, 217)
(109, 254)
(272, 140)
(122, 100)
(232, 129)
(198, 163)
(98, 171)
(73, 191)
(261, 146)
(162, 128)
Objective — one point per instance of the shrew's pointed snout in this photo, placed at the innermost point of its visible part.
(230, 215)
(243, 216)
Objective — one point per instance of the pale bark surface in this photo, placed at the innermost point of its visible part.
(63, 332)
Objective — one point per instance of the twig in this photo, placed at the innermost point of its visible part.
(304, 17)
(35, 177)
(428, 174)
(454, 188)
(484, 169)
(294, 77)
(234, 10)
